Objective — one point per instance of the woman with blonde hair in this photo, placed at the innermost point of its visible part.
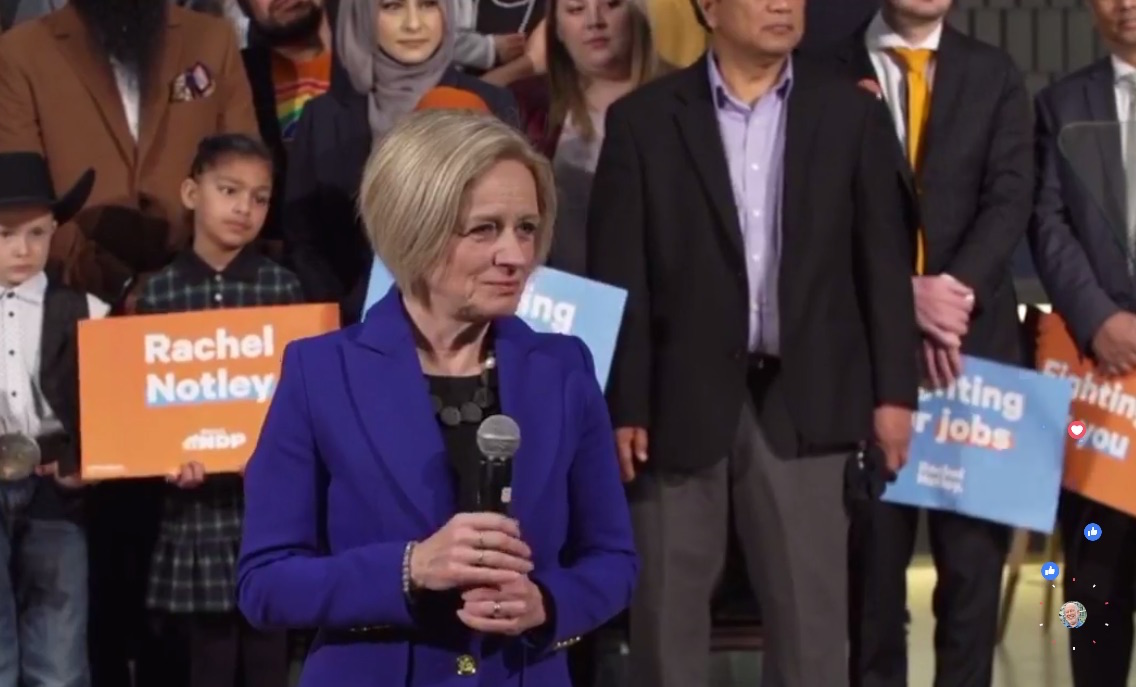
(365, 515)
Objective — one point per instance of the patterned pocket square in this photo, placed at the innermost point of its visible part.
(194, 83)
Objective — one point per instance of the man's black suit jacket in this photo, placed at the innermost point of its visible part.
(975, 179)
(663, 225)
(1078, 224)
(258, 67)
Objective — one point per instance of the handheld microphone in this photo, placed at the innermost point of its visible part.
(449, 98)
(498, 438)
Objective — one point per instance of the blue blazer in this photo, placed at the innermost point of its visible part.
(350, 466)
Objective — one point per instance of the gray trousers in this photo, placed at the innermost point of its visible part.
(790, 519)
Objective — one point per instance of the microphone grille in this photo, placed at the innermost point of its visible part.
(499, 436)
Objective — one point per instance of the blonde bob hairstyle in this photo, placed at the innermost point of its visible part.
(414, 195)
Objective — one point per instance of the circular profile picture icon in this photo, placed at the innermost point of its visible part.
(1073, 614)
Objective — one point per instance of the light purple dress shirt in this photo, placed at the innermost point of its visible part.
(754, 139)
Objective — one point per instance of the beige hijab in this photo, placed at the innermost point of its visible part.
(393, 88)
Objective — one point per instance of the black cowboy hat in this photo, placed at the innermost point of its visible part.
(25, 180)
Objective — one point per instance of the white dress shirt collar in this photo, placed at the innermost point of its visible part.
(30, 291)
(1121, 70)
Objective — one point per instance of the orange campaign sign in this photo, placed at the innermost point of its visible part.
(1099, 464)
(157, 391)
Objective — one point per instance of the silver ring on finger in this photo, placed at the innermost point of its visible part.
(480, 557)
(481, 540)
(496, 609)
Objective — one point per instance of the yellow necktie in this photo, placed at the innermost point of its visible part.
(915, 62)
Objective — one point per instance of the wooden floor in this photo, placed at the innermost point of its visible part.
(1031, 655)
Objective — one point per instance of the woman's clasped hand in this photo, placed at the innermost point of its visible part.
(483, 555)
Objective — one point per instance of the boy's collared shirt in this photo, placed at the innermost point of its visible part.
(193, 569)
(23, 408)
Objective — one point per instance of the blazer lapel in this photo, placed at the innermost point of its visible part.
(946, 86)
(1105, 135)
(531, 391)
(802, 118)
(854, 56)
(95, 73)
(54, 329)
(392, 400)
(156, 99)
(859, 65)
(698, 124)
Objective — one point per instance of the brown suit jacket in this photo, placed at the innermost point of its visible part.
(58, 96)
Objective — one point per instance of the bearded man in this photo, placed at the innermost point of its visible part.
(288, 62)
(128, 87)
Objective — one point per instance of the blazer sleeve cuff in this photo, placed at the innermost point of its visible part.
(629, 419)
(902, 395)
(552, 636)
(543, 639)
(1090, 318)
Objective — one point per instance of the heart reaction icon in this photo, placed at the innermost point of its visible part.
(1076, 429)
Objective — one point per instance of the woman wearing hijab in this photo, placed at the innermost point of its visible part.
(390, 53)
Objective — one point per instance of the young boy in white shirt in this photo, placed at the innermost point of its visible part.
(43, 553)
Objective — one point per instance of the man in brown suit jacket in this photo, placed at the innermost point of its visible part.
(128, 87)
(133, 104)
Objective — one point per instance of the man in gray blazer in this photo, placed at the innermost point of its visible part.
(1081, 237)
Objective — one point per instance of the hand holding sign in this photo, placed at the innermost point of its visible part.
(942, 308)
(893, 435)
(198, 382)
(1098, 456)
(189, 476)
(1114, 344)
(942, 364)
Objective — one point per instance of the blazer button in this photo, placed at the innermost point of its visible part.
(466, 665)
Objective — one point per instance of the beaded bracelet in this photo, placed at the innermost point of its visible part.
(407, 583)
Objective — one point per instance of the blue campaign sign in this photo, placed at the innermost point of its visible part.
(991, 446)
(556, 302)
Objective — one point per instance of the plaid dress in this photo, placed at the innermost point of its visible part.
(194, 565)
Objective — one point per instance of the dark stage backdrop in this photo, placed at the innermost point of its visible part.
(830, 21)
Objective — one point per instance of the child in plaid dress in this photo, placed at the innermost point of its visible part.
(193, 569)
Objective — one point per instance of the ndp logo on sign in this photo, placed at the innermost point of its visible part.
(214, 440)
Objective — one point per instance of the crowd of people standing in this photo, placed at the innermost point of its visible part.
(806, 233)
